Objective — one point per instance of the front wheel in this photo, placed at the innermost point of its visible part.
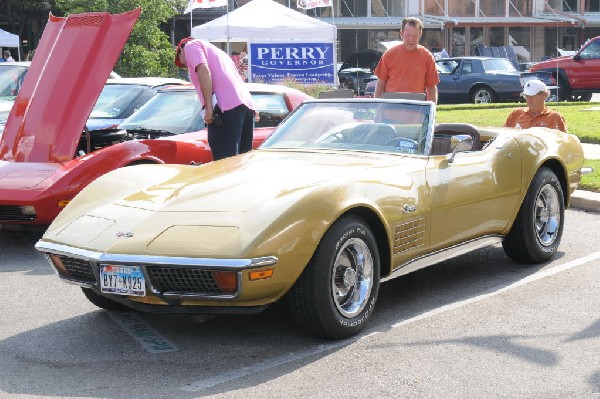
(537, 230)
(335, 295)
(102, 302)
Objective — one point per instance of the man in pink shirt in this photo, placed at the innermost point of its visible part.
(211, 70)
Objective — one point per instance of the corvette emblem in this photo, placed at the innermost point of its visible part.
(126, 234)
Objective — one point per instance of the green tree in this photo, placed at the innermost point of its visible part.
(148, 51)
(26, 18)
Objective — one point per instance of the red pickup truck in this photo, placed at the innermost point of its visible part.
(577, 76)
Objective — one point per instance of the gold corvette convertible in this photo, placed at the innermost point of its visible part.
(343, 195)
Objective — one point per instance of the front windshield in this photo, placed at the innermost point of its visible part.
(271, 107)
(381, 126)
(115, 100)
(174, 111)
(498, 64)
(11, 80)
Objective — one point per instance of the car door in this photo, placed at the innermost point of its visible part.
(586, 67)
(451, 87)
(475, 195)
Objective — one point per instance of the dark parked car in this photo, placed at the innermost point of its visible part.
(358, 69)
(480, 80)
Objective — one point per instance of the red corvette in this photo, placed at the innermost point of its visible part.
(40, 166)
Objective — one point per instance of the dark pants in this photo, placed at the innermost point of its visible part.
(235, 135)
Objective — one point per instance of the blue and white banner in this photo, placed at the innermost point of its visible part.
(306, 63)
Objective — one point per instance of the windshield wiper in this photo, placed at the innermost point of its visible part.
(155, 132)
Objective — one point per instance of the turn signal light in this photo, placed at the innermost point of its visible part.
(227, 281)
(260, 274)
(58, 264)
(63, 203)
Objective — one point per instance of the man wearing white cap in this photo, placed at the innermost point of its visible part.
(536, 113)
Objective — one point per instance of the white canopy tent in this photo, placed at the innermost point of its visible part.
(9, 40)
(265, 21)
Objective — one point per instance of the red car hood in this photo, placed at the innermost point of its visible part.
(71, 64)
(28, 176)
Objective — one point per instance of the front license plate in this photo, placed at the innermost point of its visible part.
(122, 280)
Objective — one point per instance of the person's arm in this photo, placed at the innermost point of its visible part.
(205, 79)
(560, 123)
(432, 93)
(379, 88)
(509, 120)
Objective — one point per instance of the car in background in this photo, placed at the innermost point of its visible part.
(482, 80)
(12, 76)
(357, 70)
(121, 97)
(345, 194)
(169, 128)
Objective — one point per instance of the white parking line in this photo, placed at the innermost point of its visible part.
(291, 357)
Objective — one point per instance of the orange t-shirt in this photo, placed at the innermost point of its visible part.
(521, 118)
(407, 71)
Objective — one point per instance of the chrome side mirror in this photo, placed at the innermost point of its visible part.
(460, 143)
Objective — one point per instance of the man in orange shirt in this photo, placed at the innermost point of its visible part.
(408, 67)
(537, 113)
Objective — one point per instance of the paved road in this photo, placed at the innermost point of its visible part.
(479, 326)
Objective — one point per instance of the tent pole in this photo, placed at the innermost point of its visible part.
(228, 43)
(191, 23)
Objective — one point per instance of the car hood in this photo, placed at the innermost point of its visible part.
(72, 62)
(219, 186)
(235, 184)
(551, 63)
(27, 176)
(246, 189)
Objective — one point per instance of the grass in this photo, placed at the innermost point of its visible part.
(591, 182)
(581, 122)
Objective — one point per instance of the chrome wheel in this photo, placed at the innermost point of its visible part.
(482, 96)
(547, 215)
(536, 232)
(352, 277)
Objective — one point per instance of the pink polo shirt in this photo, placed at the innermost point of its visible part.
(228, 86)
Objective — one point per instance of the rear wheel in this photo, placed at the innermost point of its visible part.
(586, 97)
(483, 95)
(537, 230)
(562, 92)
(344, 84)
(335, 295)
(102, 302)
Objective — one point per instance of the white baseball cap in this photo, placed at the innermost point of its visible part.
(534, 87)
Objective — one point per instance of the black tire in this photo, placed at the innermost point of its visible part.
(483, 95)
(102, 302)
(336, 294)
(563, 92)
(345, 84)
(537, 230)
(586, 97)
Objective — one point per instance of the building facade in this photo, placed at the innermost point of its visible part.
(536, 28)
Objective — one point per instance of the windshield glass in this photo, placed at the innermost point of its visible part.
(115, 100)
(382, 126)
(175, 111)
(498, 64)
(271, 108)
(11, 80)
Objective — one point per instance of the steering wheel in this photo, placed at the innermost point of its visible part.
(407, 145)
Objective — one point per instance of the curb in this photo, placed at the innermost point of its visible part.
(586, 200)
